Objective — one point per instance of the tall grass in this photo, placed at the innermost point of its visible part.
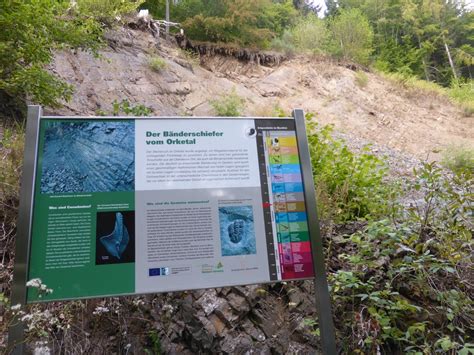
(11, 157)
(460, 93)
(459, 159)
(463, 94)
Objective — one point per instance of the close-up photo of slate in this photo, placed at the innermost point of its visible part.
(71, 161)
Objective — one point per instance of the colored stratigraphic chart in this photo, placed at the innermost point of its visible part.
(291, 223)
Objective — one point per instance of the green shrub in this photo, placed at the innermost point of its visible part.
(285, 43)
(238, 22)
(31, 30)
(124, 108)
(403, 281)
(310, 34)
(11, 159)
(361, 79)
(463, 94)
(230, 105)
(157, 64)
(348, 186)
(459, 159)
(351, 36)
(107, 11)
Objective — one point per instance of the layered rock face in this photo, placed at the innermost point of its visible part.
(88, 157)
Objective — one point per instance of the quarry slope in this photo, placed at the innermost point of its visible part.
(406, 125)
(381, 112)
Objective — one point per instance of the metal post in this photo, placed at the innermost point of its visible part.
(22, 247)
(323, 301)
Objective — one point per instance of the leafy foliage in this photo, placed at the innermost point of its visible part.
(309, 35)
(11, 149)
(285, 43)
(229, 105)
(416, 37)
(404, 283)
(347, 35)
(463, 94)
(31, 30)
(349, 186)
(124, 108)
(106, 12)
(351, 36)
(241, 22)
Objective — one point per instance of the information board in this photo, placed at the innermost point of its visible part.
(150, 205)
(139, 205)
(124, 206)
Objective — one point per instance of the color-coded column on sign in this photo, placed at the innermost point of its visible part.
(289, 208)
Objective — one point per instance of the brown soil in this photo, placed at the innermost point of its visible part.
(418, 123)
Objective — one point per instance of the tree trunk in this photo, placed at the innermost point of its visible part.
(451, 63)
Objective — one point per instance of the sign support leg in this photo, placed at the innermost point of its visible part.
(22, 247)
(323, 301)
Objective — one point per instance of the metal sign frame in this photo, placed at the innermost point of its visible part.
(24, 230)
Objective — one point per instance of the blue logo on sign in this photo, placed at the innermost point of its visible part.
(159, 271)
(154, 272)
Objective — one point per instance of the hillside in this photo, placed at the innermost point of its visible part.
(379, 111)
(397, 281)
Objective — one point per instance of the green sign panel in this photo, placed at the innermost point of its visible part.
(142, 205)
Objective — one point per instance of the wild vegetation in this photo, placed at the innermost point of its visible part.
(419, 39)
(400, 272)
(416, 39)
(33, 30)
(399, 278)
(228, 105)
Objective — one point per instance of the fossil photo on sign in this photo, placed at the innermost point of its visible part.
(237, 230)
(88, 156)
(115, 237)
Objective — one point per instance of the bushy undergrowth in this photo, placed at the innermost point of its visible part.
(157, 64)
(460, 93)
(459, 159)
(309, 35)
(347, 36)
(228, 105)
(463, 94)
(349, 186)
(125, 108)
(11, 156)
(400, 283)
(107, 11)
(403, 284)
(33, 30)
